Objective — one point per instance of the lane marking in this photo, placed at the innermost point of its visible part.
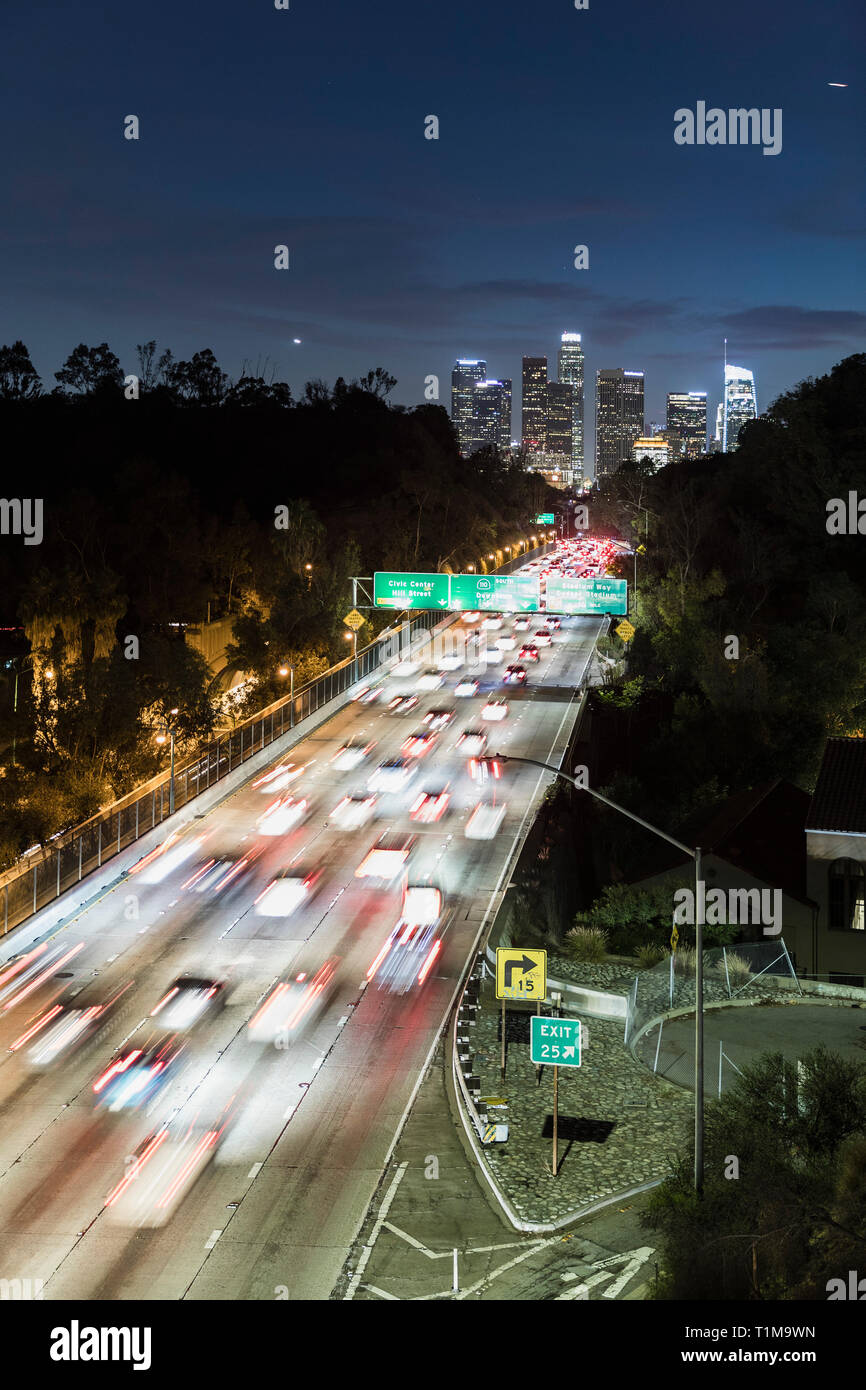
(214, 1237)
(374, 1234)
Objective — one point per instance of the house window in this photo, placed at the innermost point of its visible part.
(847, 881)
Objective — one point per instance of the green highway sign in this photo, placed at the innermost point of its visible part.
(554, 1041)
(504, 593)
(545, 519)
(603, 595)
(404, 589)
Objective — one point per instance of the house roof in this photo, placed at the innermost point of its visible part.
(759, 830)
(839, 800)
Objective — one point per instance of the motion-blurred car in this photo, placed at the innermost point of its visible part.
(283, 815)
(466, 687)
(392, 776)
(485, 821)
(553, 622)
(402, 704)
(57, 1032)
(419, 744)
(484, 769)
(495, 711)
(161, 1172)
(506, 644)
(387, 858)
(412, 947)
(138, 1074)
(529, 652)
(292, 1005)
(470, 617)
(430, 806)
(278, 778)
(514, 675)
(354, 811)
(287, 892)
(218, 875)
(370, 694)
(430, 680)
(351, 755)
(163, 860)
(472, 742)
(493, 623)
(437, 719)
(452, 662)
(541, 638)
(187, 1002)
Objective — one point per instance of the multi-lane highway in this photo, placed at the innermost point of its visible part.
(216, 1161)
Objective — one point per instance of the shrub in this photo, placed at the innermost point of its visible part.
(586, 944)
(739, 970)
(649, 955)
(684, 960)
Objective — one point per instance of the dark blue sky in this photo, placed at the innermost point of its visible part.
(306, 127)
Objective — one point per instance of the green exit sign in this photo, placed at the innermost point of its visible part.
(402, 589)
(545, 519)
(554, 1042)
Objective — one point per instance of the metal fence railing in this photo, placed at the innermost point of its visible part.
(729, 973)
(41, 876)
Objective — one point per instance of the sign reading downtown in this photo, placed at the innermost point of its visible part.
(501, 593)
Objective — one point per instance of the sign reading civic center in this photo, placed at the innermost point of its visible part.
(407, 590)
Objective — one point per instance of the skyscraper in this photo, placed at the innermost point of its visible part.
(490, 418)
(534, 403)
(740, 404)
(687, 414)
(560, 420)
(619, 417)
(715, 445)
(466, 373)
(571, 371)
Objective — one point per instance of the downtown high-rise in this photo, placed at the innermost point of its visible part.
(740, 405)
(490, 416)
(534, 404)
(466, 374)
(619, 417)
(570, 371)
(687, 415)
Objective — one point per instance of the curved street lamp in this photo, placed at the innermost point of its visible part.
(168, 731)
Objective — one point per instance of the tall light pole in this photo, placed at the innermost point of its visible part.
(699, 947)
(168, 731)
(289, 670)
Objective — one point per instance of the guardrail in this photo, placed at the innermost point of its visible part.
(41, 877)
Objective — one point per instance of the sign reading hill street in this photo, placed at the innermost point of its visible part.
(407, 590)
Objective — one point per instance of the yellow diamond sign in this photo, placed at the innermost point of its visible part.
(354, 620)
(625, 630)
(520, 974)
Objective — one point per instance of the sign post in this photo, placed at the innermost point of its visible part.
(555, 1040)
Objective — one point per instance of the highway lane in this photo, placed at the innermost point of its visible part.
(279, 1206)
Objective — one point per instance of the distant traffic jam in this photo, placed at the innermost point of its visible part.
(441, 777)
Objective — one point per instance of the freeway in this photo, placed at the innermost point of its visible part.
(241, 1165)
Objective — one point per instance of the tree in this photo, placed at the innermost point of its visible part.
(90, 369)
(200, 381)
(19, 380)
(762, 1231)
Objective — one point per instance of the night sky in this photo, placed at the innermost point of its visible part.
(306, 127)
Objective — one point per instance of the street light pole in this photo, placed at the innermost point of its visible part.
(171, 778)
(694, 854)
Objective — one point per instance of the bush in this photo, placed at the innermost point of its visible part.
(649, 955)
(739, 970)
(684, 960)
(586, 944)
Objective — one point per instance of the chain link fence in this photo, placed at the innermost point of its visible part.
(729, 973)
